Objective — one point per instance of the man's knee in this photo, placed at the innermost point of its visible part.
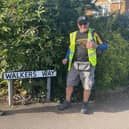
(69, 88)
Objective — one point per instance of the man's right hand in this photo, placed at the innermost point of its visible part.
(64, 61)
(91, 44)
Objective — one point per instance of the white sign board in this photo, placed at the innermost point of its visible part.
(29, 74)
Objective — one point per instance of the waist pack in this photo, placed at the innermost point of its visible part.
(82, 66)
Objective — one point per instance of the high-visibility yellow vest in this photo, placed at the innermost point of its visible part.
(91, 52)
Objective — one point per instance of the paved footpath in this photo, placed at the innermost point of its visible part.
(110, 113)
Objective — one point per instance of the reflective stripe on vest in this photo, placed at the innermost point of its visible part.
(91, 51)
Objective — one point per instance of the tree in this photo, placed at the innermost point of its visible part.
(34, 35)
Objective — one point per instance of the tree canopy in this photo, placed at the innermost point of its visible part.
(34, 35)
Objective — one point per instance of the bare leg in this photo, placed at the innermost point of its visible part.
(69, 91)
(86, 95)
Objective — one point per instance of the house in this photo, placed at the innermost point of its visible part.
(110, 6)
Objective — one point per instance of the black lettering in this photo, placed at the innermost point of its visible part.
(44, 73)
(30, 74)
(52, 72)
(49, 73)
(34, 74)
(8, 75)
(21, 75)
(14, 76)
(27, 75)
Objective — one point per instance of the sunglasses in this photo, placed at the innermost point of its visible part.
(83, 23)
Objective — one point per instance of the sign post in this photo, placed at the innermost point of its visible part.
(28, 74)
(48, 89)
(10, 92)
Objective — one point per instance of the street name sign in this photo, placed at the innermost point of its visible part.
(29, 74)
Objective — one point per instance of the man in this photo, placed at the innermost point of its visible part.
(82, 59)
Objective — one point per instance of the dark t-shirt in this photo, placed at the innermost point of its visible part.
(81, 53)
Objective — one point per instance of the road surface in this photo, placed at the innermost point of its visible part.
(110, 112)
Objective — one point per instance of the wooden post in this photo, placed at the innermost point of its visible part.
(10, 92)
(48, 89)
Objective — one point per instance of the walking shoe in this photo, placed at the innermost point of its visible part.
(84, 108)
(1, 113)
(64, 105)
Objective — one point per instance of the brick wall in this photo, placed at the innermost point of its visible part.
(127, 5)
(114, 7)
(101, 1)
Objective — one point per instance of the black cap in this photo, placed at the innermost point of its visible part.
(82, 20)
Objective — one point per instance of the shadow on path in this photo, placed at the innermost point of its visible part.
(112, 103)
